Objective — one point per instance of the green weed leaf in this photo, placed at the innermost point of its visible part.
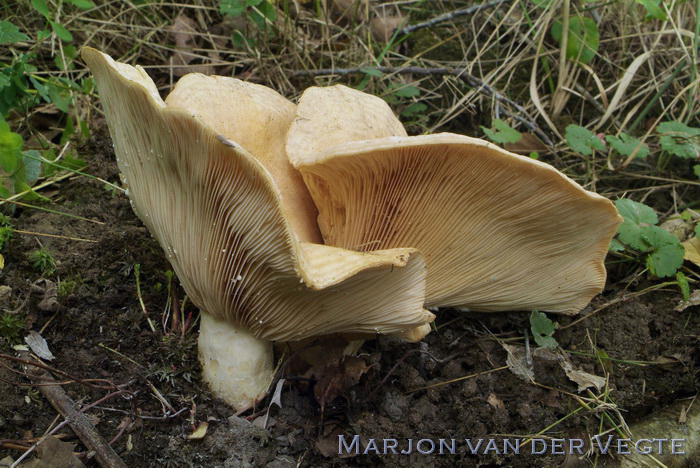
(667, 256)
(616, 246)
(542, 330)
(9, 33)
(679, 139)
(414, 109)
(407, 91)
(10, 148)
(61, 32)
(502, 133)
(583, 38)
(636, 217)
(82, 4)
(683, 284)
(653, 9)
(582, 140)
(626, 144)
(41, 7)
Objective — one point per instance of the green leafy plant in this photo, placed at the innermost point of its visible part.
(43, 261)
(582, 39)
(10, 327)
(626, 145)
(653, 9)
(542, 330)
(582, 140)
(664, 252)
(502, 133)
(679, 139)
(258, 11)
(18, 169)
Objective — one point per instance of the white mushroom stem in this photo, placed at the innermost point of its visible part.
(237, 366)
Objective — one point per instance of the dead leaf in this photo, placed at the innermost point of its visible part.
(184, 32)
(692, 250)
(496, 402)
(54, 454)
(383, 27)
(692, 301)
(49, 303)
(38, 345)
(348, 10)
(337, 378)
(200, 432)
(526, 145)
(517, 362)
(327, 442)
(583, 379)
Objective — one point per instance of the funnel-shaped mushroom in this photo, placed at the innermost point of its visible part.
(498, 231)
(218, 214)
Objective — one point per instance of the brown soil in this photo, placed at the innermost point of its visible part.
(99, 331)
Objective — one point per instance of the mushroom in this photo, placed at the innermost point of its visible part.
(498, 231)
(223, 222)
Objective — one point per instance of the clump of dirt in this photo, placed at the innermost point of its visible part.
(98, 330)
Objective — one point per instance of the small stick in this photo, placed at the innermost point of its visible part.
(448, 16)
(82, 427)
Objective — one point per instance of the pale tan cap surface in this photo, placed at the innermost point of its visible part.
(217, 213)
(257, 118)
(499, 231)
(330, 116)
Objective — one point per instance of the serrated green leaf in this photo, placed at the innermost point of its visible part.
(582, 140)
(9, 33)
(665, 260)
(626, 144)
(667, 256)
(677, 128)
(542, 329)
(10, 148)
(653, 9)
(679, 147)
(502, 133)
(407, 91)
(41, 7)
(616, 246)
(583, 38)
(683, 284)
(61, 32)
(82, 4)
(636, 217)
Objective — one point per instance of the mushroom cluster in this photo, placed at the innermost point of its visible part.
(285, 221)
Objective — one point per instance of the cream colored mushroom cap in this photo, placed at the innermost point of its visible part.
(257, 118)
(219, 216)
(499, 231)
(333, 115)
